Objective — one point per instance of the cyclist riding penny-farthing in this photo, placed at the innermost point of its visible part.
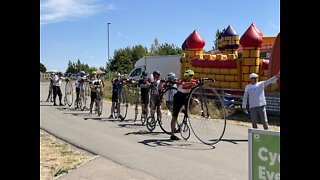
(155, 90)
(80, 84)
(116, 93)
(144, 84)
(96, 87)
(170, 81)
(180, 98)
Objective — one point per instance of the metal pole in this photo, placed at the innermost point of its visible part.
(108, 53)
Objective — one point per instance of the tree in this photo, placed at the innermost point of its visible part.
(218, 32)
(154, 47)
(157, 49)
(77, 67)
(124, 59)
(43, 69)
(168, 49)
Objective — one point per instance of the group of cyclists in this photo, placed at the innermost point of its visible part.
(95, 85)
(150, 89)
(153, 88)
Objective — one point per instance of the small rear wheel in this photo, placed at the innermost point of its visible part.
(151, 123)
(184, 129)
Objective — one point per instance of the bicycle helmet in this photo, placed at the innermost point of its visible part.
(94, 73)
(82, 73)
(171, 76)
(188, 72)
(253, 75)
(144, 73)
(156, 73)
(117, 74)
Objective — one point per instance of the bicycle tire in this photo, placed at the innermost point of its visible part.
(69, 93)
(99, 103)
(51, 96)
(115, 110)
(151, 123)
(136, 103)
(123, 105)
(143, 118)
(136, 112)
(100, 108)
(184, 128)
(166, 107)
(207, 116)
(83, 99)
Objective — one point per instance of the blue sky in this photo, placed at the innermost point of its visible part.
(77, 29)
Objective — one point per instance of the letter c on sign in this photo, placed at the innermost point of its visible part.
(261, 156)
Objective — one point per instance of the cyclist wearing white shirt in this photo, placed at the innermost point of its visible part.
(80, 81)
(50, 86)
(56, 88)
(95, 84)
(155, 89)
(257, 100)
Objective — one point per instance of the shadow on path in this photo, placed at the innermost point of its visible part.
(180, 144)
(234, 141)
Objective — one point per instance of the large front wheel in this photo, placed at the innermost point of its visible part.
(69, 93)
(166, 106)
(207, 116)
(123, 105)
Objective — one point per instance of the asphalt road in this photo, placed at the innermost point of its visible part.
(131, 145)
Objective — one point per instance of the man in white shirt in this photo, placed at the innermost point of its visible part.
(257, 100)
(56, 88)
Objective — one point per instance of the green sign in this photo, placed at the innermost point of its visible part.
(264, 154)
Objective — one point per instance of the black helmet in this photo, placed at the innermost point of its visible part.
(156, 73)
(144, 73)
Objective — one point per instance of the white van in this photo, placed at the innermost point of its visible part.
(163, 64)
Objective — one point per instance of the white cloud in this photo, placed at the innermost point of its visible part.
(52, 11)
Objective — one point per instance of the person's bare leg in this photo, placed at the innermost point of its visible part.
(173, 124)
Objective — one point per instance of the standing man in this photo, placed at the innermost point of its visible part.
(144, 83)
(56, 88)
(50, 86)
(116, 93)
(257, 100)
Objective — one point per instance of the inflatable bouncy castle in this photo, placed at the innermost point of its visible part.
(227, 65)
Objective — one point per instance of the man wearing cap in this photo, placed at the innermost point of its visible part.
(257, 100)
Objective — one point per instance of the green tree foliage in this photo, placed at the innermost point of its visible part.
(218, 32)
(124, 59)
(154, 47)
(75, 67)
(43, 68)
(157, 49)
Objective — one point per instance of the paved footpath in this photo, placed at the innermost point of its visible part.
(101, 168)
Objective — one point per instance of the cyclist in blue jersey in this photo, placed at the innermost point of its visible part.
(116, 91)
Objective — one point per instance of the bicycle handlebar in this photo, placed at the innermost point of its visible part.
(201, 80)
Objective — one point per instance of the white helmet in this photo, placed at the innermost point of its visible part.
(253, 75)
(117, 75)
(171, 76)
(82, 72)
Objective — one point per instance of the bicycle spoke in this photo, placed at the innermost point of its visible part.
(206, 113)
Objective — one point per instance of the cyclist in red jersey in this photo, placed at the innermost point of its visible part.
(180, 98)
